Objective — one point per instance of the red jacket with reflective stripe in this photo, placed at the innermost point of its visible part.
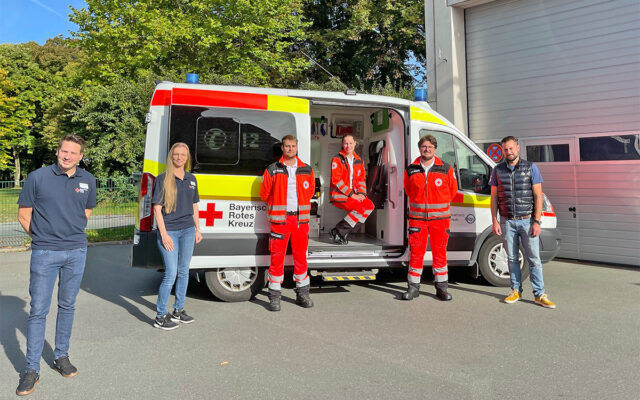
(340, 172)
(429, 198)
(273, 191)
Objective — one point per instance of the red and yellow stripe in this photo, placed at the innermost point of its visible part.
(219, 98)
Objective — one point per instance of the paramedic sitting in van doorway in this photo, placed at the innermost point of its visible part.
(516, 193)
(287, 188)
(348, 190)
(430, 185)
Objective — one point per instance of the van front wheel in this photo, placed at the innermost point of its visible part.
(235, 284)
(494, 265)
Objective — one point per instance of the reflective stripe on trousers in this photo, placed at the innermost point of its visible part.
(280, 234)
(436, 232)
(358, 211)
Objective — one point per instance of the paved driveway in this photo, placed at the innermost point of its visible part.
(359, 342)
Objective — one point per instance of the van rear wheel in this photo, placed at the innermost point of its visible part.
(235, 284)
(494, 265)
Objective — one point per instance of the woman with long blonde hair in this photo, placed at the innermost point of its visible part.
(175, 206)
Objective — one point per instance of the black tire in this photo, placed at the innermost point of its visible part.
(493, 265)
(235, 284)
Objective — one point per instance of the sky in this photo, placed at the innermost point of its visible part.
(35, 20)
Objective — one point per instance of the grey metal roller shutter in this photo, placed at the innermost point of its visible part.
(545, 68)
(551, 67)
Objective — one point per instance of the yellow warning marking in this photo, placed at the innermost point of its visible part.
(474, 200)
(153, 167)
(350, 278)
(418, 114)
(288, 104)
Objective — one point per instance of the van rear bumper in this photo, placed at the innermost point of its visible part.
(550, 240)
(144, 252)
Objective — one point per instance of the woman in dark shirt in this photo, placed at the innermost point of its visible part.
(175, 206)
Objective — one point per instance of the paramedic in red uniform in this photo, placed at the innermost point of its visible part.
(348, 190)
(430, 185)
(287, 188)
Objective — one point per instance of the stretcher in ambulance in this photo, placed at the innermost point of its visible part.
(233, 134)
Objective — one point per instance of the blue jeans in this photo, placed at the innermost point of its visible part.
(46, 266)
(514, 232)
(176, 268)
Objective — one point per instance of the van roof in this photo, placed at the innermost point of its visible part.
(313, 95)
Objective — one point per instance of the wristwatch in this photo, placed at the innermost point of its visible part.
(537, 221)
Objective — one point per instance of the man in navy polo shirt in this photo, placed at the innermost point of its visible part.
(55, 204)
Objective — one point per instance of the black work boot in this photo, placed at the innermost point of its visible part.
(274, 300)
(340, 232)
(302, 297)
(441, 291)
(412, 292)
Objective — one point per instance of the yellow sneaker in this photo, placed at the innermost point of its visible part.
(513, 296)
(545, 302)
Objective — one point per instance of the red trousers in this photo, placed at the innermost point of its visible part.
(438, 233)
(278, 240)
(358, 211)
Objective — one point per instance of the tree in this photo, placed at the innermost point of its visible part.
(10, 121)
(65, 86)
(366, 42)
(111, 120)
(242, 38)
(28, 86)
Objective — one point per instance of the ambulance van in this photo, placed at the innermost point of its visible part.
(233, 133)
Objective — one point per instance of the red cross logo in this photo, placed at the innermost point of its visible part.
(210, 215)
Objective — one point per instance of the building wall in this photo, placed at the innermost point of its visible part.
(552, 72)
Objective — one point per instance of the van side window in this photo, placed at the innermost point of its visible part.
(474, 173)
(445, 150)
(230, 141)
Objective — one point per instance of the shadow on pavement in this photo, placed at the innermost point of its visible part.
(13, 319)
(109, 276)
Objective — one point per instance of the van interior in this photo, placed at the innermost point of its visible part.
(372, 128)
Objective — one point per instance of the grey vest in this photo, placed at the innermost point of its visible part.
(515, 196)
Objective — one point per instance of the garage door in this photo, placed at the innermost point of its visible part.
(544, 70)
(549, 67)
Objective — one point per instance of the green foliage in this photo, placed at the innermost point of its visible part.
(27, 84)
(116, 190)
(10, 120)
(110, 234)
(111, 119)
(365, 42)
(240, 38)
(98, 84)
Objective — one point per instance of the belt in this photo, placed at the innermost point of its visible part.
(523, 217)
(292, 213)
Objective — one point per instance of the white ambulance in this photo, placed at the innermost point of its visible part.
(234, 133)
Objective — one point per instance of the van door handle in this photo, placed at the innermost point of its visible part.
(572, 209)
(392, 171)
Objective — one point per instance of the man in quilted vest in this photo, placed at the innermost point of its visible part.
(516, 195)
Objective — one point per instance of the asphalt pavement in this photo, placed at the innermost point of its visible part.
(360, 341)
